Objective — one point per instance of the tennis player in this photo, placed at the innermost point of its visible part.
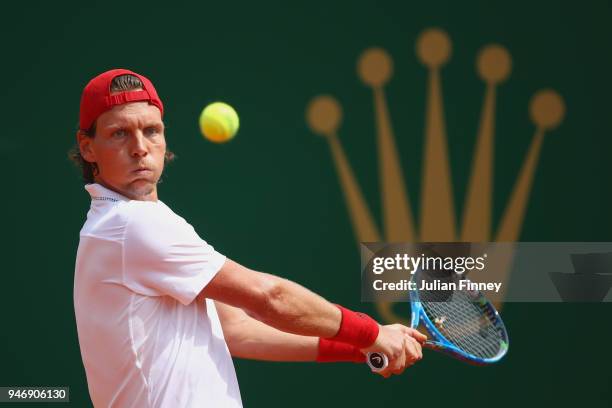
(159, 311)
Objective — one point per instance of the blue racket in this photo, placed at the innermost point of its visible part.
(460, 323)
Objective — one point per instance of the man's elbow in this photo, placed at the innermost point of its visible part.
(271, 299)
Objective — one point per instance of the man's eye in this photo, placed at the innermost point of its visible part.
(119, 133)
(151, 131)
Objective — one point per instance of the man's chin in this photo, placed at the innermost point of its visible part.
(142, 188)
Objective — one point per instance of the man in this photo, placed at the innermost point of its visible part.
(159, 312)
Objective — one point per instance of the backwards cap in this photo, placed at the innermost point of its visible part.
(97, 99)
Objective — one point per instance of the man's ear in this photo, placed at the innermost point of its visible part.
(84, 141)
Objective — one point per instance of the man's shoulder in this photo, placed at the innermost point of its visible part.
(148, 217)
(135, 211)
(110, 220)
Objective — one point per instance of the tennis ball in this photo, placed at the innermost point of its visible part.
(219, 122)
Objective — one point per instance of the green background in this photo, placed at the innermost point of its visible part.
(270, 199)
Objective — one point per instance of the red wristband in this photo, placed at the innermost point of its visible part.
(334, 351)
(357, 329)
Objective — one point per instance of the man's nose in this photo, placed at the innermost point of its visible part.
(139, 145)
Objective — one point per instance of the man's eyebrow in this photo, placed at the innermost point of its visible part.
(115, 126)
(121, 125)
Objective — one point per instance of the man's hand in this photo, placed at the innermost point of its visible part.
(401, 344)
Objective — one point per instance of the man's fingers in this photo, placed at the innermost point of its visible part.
(417, 335)
(403, 364)
(397, 365)
(414, 350)
(419, 349)
(411, 352)
(413, 333)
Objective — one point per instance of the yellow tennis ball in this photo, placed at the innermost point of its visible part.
(219, 122)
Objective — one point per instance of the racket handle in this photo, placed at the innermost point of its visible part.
(377, 361)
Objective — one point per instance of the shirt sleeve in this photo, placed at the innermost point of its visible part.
(164, 256)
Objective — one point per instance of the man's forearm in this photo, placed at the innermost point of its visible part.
(277, 302)
(294, 309)
(252, 339)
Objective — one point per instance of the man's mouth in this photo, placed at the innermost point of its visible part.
(143, 170)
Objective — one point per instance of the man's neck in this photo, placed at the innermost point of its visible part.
(148, 195)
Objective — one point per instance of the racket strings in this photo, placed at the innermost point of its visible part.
(467, 324)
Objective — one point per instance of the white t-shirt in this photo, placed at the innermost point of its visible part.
(145, 340)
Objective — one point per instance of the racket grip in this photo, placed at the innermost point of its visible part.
(377, 361)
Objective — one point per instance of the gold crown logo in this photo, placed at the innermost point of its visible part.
(437, 215)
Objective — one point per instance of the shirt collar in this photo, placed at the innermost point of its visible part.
(99, 192)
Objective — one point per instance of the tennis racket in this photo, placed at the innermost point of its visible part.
(460, 323)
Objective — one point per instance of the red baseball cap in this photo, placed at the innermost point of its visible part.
(97, 99)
